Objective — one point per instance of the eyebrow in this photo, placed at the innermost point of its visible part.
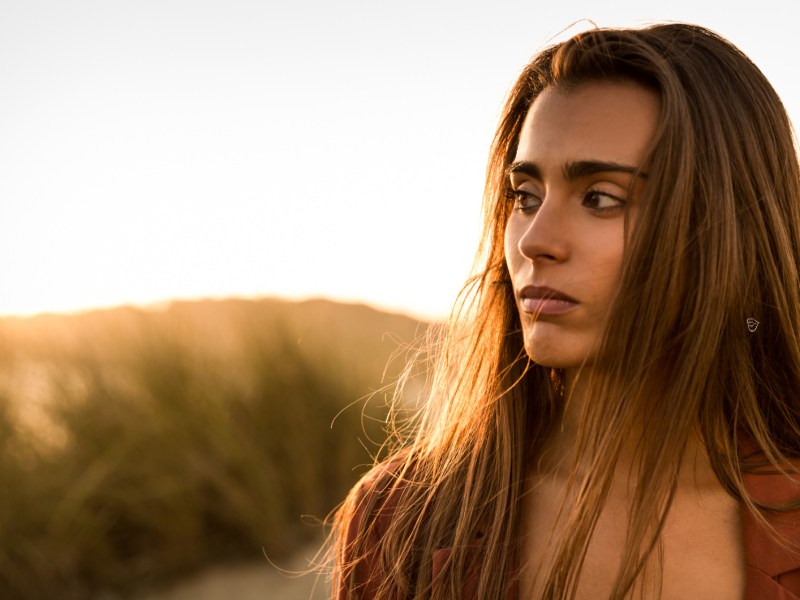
(575, 169)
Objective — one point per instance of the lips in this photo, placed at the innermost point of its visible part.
(545, 301)
(539, 291)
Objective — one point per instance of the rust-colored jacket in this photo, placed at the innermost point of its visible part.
(772, 570)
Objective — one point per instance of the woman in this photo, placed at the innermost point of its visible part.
(614, 409)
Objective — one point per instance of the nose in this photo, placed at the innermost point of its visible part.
(545, 236)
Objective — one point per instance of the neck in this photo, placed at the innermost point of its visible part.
(558, 454)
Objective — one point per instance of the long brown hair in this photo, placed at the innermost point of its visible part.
(716, 241)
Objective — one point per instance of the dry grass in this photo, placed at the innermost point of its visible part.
(139, 445)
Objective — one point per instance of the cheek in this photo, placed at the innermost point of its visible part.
(603, 269)
(511, 247)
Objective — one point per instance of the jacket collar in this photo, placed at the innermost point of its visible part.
(773, 565)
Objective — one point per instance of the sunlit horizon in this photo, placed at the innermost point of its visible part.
(157, 304)
(156, 151)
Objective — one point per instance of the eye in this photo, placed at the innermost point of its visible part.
(523, 201)
(601, 201)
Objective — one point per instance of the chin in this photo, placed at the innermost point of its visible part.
(556, 356)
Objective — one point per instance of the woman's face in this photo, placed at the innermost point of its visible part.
(572, 180)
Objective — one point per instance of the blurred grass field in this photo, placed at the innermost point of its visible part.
(140, 445)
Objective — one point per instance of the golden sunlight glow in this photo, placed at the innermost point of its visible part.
(250, 155)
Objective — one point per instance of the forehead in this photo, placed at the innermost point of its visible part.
(606, 121)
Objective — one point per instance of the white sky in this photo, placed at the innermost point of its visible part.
(190, 148)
